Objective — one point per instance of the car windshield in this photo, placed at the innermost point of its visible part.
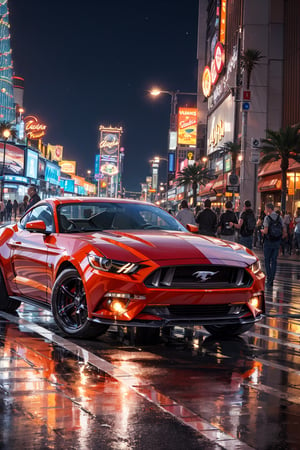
(98, 216)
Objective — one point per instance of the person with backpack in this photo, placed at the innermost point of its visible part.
(274, 230)
(246, 225)
(226, 223)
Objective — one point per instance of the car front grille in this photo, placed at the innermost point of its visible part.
(199, 277)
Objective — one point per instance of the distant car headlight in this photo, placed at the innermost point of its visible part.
(110, 265)
(256, 267)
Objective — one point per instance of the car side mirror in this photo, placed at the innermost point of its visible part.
(36, 226)
(192, 228)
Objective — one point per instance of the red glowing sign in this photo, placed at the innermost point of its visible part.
(219, 57)
(213, 71)
(33, 128)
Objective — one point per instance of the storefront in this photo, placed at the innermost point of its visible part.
(270, 185)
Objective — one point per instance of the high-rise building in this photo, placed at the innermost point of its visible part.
(7, 103)
(241, 106)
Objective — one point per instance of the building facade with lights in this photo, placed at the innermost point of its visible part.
(241, 113)
(7, 102)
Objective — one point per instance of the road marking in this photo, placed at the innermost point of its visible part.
(166, 404)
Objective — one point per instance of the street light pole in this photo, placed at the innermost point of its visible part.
(174, 101)
(173, 126)
(5, 134)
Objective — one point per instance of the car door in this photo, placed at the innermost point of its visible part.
(29, 252)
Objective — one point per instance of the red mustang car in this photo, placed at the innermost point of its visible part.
(101, 261)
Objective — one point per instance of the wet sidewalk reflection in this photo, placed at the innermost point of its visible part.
(51, 398)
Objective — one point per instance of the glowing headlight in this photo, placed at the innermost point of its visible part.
(100, 262)
(109, 265)
(256, 267)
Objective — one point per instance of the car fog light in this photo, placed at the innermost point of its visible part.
(256, 301)
(118, 307)
(118, 302)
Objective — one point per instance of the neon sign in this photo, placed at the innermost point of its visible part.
(210, 75)
(33, 128)
(223, 22)
(206, 82)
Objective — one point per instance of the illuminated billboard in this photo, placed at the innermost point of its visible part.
(109, 150)
(187, 126)
(32, 164)
(52, 173)
(14, 159)
(55, 152)
(67, 185)
(68, 167)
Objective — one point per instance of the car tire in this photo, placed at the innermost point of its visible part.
(6, 304)
(69, 307)
(228, 330)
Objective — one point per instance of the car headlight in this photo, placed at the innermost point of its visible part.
(110, 265)
(256, 267)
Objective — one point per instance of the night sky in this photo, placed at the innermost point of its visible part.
(91, 62)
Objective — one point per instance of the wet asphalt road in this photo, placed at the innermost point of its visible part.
(188, 391)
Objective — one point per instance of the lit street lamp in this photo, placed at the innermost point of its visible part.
(5, 134)
(156, 92)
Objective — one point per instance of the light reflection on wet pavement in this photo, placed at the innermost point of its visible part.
(241, 392)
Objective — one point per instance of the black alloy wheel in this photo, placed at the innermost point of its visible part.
(69, 307)
(6, 304)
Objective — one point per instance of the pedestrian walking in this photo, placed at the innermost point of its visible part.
(33, 196)
(246, 225)
(297, 231)
(207, 220)
(288, 222)
(15, 208)
(2, 209)
(185, 215)
(274, 230)
(8, 210)
(23, 205)
(226, 223)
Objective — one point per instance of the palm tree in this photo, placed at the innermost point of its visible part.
(249, 59)
(7, 126)
(235, 150)
(194, 174)
(282, 146)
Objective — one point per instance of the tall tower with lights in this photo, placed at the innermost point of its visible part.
(7, 104)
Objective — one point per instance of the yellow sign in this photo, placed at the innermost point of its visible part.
(206, 82)
(68, 167)
(187, 126)
(55, 152)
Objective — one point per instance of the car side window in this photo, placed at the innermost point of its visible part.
(42, 212)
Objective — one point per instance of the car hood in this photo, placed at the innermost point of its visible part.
(166, 247)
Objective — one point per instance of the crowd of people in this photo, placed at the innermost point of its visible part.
(11, 210)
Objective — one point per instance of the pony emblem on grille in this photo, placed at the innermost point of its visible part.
(203, 275)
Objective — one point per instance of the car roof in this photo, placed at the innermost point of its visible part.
(63, 200)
